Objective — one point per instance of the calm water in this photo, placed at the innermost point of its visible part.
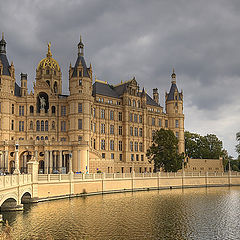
(212, 213)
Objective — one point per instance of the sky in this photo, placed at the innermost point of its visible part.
(141, 38)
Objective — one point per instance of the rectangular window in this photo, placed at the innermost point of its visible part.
(140, 118)
(63, 126)
(102, 113)
(135, 132)
(79, 123)
(166, 123)
(102, 144)
(136, 146)
(21, 126)
(177, 124)
(112, 145)
(102, 128)
(111, 129)
(21, 110)
(131, 131)
(137, 157)
(120, 146)
(79, 138)
(63, 110)
(79, 107)
(94, 127)
(120, 130)
(111, 115)
(142, 157)
(120, 116)
(12, 108)
(120, 157)
(94, 112)
(131, 146)
(103, 155)
(132, 157)
(112, 155)
(130, 117)
(80, 82)
(140, 147)
(140, 132)
(135, 118)
(177, 135)
(12, 125)
(153, 121)
(159, 122)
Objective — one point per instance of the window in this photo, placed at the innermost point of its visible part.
(46, 125)
(111, 145)
(38, 125)
(37, 138)
(103, 155)
(135, 118)
(53, 125)
(79, 107)
(42, 125)
(131, 146)
(31, 109)
(159, 122)
(79, 123)
(129, 102)
(136, 146)
(63, 110)
(166, 123)
(102, 144)
(135, 132)
(142, 157)
(120, 116)
(120, 157)
(130, 117)
(137, 157)
(140, 132)
(31, 125)
(132, 157)
(177, 124)
(94, 127)
(12, 125)
(120, 146)
(153, 121)
(140, 118)
(111, 115)
(47, 71)
(21, 126)
(62, 139)
(21, 110)
(102, 128)
(120, 130)
(177, 134)
(140, 147)
(102, 113)
(112, 155)
(131, 131)
(79, 138)
(139, 105)
(63, 126)
(94, 112)
(80, 82)
(111, 129)
(12, 108)
(134, 103)
(80, 73)
(94, 143)
(53, 109)
(153, 133)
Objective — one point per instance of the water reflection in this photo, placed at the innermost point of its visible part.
(212, 213)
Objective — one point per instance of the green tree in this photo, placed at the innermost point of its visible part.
(238, 145)
(164, 151)
(206, 147)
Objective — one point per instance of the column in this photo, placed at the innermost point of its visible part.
(55, 160)
(46, 155)
(6, 160)
(16, 171)
(1, 161)
(24, 163)
(78, 161)
(60, 161)
(70, 163)
(36, 155)
(51, 162)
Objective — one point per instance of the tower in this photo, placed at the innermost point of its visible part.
(156, 95)
(23, 84)
(174, 110)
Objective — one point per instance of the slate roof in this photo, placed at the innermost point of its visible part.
(104, 89)
(171, 93)
(151, 102)
(17, 90)
(81, 60)
(5, 64)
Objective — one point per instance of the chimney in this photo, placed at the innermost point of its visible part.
(156, 95)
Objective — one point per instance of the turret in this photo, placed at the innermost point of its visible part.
(23, 84)
(156, 95)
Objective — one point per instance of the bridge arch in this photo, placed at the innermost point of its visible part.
(26, 196)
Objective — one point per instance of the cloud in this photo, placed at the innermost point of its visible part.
(143, 39)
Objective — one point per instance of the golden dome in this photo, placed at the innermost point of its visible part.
(48, 61)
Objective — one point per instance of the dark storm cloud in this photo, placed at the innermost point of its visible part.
(143, 39)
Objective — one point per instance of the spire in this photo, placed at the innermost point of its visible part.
(49, 53)
(3, 45)
(173, 77)
(80, 47)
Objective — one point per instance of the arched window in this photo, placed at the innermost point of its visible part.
(46, 138)
(42, 138)
(42, 125)
(139, 105)
(55, 88)
(129, 102)
(31, 109)
(53, 109)
(38, 125)
(134, 103)
(46, 125)
(48, 82)
(31, 125)
(37, 138)
(12, 108)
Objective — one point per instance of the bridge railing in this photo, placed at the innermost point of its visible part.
(8, 181)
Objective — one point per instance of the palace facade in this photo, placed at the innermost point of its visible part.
(97, 127)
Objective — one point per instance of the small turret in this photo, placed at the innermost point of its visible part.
(23, 84)
(80, 47)
(156, 95)
(3, 45)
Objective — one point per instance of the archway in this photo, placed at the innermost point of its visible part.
(24, 158)
(12, 166)
(10, 204)
(42, 102)
(41, 166)
(26, 197)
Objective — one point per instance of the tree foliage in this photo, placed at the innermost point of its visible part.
(238, 145)
(206, 147)
(164, 151)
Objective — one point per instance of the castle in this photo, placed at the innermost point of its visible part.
(101, 127)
